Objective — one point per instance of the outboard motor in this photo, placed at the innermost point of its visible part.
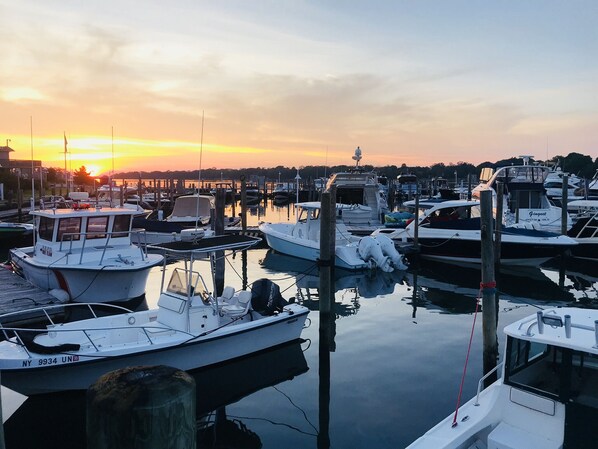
(388, 249)
(369, 249)
(266, 298)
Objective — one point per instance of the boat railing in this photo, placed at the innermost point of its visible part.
(71, 237)
(54, 328)
(481, 381)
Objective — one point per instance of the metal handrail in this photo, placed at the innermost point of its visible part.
(480, 382)
(87, 332)
(108, 235)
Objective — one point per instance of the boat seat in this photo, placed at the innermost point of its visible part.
(228, 296)
(506, 436)
(241, 307)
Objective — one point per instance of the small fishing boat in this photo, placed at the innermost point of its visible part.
(192, 210)
(302, 239)
(451, 230)
(191, 328)
(10, 231)
(547, 393)
(87, 252)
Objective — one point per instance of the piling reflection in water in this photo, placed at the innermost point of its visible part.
(59, 419)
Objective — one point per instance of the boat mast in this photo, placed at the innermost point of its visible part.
(66, 179)
(32, 167)
(199, 172)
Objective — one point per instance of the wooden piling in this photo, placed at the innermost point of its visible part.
(498, 221)
(488, 286)
(416, 219)
(243, 203)
(327, 254)
(219, 230)
(145, 406)
(564, 200)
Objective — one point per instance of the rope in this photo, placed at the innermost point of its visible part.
(477, 304)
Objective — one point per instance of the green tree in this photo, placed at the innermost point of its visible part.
(82, 176)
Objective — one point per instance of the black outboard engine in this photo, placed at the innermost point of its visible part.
(266, 298)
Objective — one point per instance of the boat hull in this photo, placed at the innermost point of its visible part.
(76, 370)
(279, 239)
(85, 283)
(469, 250)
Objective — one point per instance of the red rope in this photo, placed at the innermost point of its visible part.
(477, 303)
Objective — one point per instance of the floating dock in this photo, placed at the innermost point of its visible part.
(17, 294)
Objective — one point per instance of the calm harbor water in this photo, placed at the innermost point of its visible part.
(389, 370)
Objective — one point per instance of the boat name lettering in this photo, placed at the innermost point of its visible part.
(48, 361)
(46, 250)
(537, 214)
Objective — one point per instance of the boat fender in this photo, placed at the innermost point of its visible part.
(60, 294)
(369, 250)
(388, 249)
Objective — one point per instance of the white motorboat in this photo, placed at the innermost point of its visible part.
(525, 198)
(451, 230)
(190, 328)
(554, 185)
(302, 239)
(87, 252)
(359, 190)
(585, 229)
(591, 190)
(192, 210)
(547, 393)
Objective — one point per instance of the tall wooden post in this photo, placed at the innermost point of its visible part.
(564, 200)
(416, 219)
(498, 221)
(219, 230)
(327, 254)
(243, 203)
(326, 290)
(488, 285)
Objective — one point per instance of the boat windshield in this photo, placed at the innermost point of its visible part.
(559, 373)
(181, 284)
(312, 214)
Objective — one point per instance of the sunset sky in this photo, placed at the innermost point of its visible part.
(297, 83)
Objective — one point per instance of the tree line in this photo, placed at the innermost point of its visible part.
(574, 163)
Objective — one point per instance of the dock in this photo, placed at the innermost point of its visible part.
(17, 295)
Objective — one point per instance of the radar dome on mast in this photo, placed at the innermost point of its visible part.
(357, 156)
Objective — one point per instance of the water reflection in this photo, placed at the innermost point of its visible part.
(59, 418)
(453, 288)
(351, 286)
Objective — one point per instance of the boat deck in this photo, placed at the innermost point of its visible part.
(17, 294)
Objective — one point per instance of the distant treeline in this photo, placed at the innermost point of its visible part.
(575, 163)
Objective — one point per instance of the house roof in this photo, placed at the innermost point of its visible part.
(5, 149)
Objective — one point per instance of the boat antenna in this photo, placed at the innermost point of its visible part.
(326, 165)
(199, 172)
